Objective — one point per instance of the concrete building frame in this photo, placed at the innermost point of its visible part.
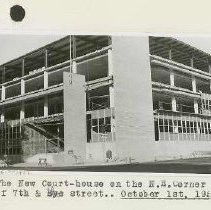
(106, 99)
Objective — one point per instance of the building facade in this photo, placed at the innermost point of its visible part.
(97, 99)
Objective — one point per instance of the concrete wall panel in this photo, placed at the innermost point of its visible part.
(75, 115)
(133, 97)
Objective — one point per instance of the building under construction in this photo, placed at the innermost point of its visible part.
(97, 99)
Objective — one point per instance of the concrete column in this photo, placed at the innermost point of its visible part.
(174, 104)
(110, 73)
(210, 73)
(22, 86)
(111, 91)
(74, 67)
(196, 106)
(194, 84)
(22, 111)
(111, 94)
(2, 116)
(46, 58)
(46, 106)
(3, 93)
(45, 79)
(23, 68)
(110, 63)
(171, 72)
(70, 42)
(172, 78)
(74, 46)
(191, 62)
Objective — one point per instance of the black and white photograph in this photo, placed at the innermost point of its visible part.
(105, 103)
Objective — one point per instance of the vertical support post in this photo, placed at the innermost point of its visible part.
(172, 83)
(172, 78)
(22, 86)
(174, 104)
(171, 71)
(111, 93)
(58, 132)
(46, 58)
(210, 73)
(110, 73)
(3, 87)
(22, 111)
(196, 106)
(3, 93)
(45, 79)
(194, 84)
(45, 145)
(2, 115)
(193, 77)
(110, 63)
(71, 59)
(46, 106)
(71, 70)
(23, 67)
(45, 72)
(170, 54)
(22, 80)
(191, 62)
(74, 46)
(74, 67)
(194, 89)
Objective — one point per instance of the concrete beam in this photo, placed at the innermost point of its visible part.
(32, 95)
(99, 83)
(179, 67)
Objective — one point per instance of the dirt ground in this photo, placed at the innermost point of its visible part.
(196, 165)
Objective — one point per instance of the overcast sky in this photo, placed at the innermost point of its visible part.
(13, 46)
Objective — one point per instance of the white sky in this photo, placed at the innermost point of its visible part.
(203, 43)
(13, 46)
